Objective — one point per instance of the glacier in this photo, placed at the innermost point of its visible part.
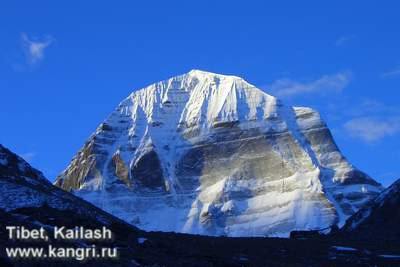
(211, 154)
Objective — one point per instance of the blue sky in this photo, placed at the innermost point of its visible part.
(65, 65)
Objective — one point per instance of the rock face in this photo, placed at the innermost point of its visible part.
(211, 154)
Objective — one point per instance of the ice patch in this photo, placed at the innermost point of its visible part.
(340, 248)
(141, 240)
(390, 256)
(3, 161)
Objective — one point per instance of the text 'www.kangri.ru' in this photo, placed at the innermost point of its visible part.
(80, 234)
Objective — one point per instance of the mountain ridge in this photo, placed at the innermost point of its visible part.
(379, 219)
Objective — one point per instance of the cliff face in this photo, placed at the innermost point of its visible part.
(212, 154)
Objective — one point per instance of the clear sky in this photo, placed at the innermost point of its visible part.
(65, 65)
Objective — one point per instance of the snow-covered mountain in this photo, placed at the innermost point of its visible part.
(212, 154)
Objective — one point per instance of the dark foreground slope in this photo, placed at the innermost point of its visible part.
(27, 199)
(380, 220)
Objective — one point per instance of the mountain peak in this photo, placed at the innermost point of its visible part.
(203, 73)
(200, 98)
